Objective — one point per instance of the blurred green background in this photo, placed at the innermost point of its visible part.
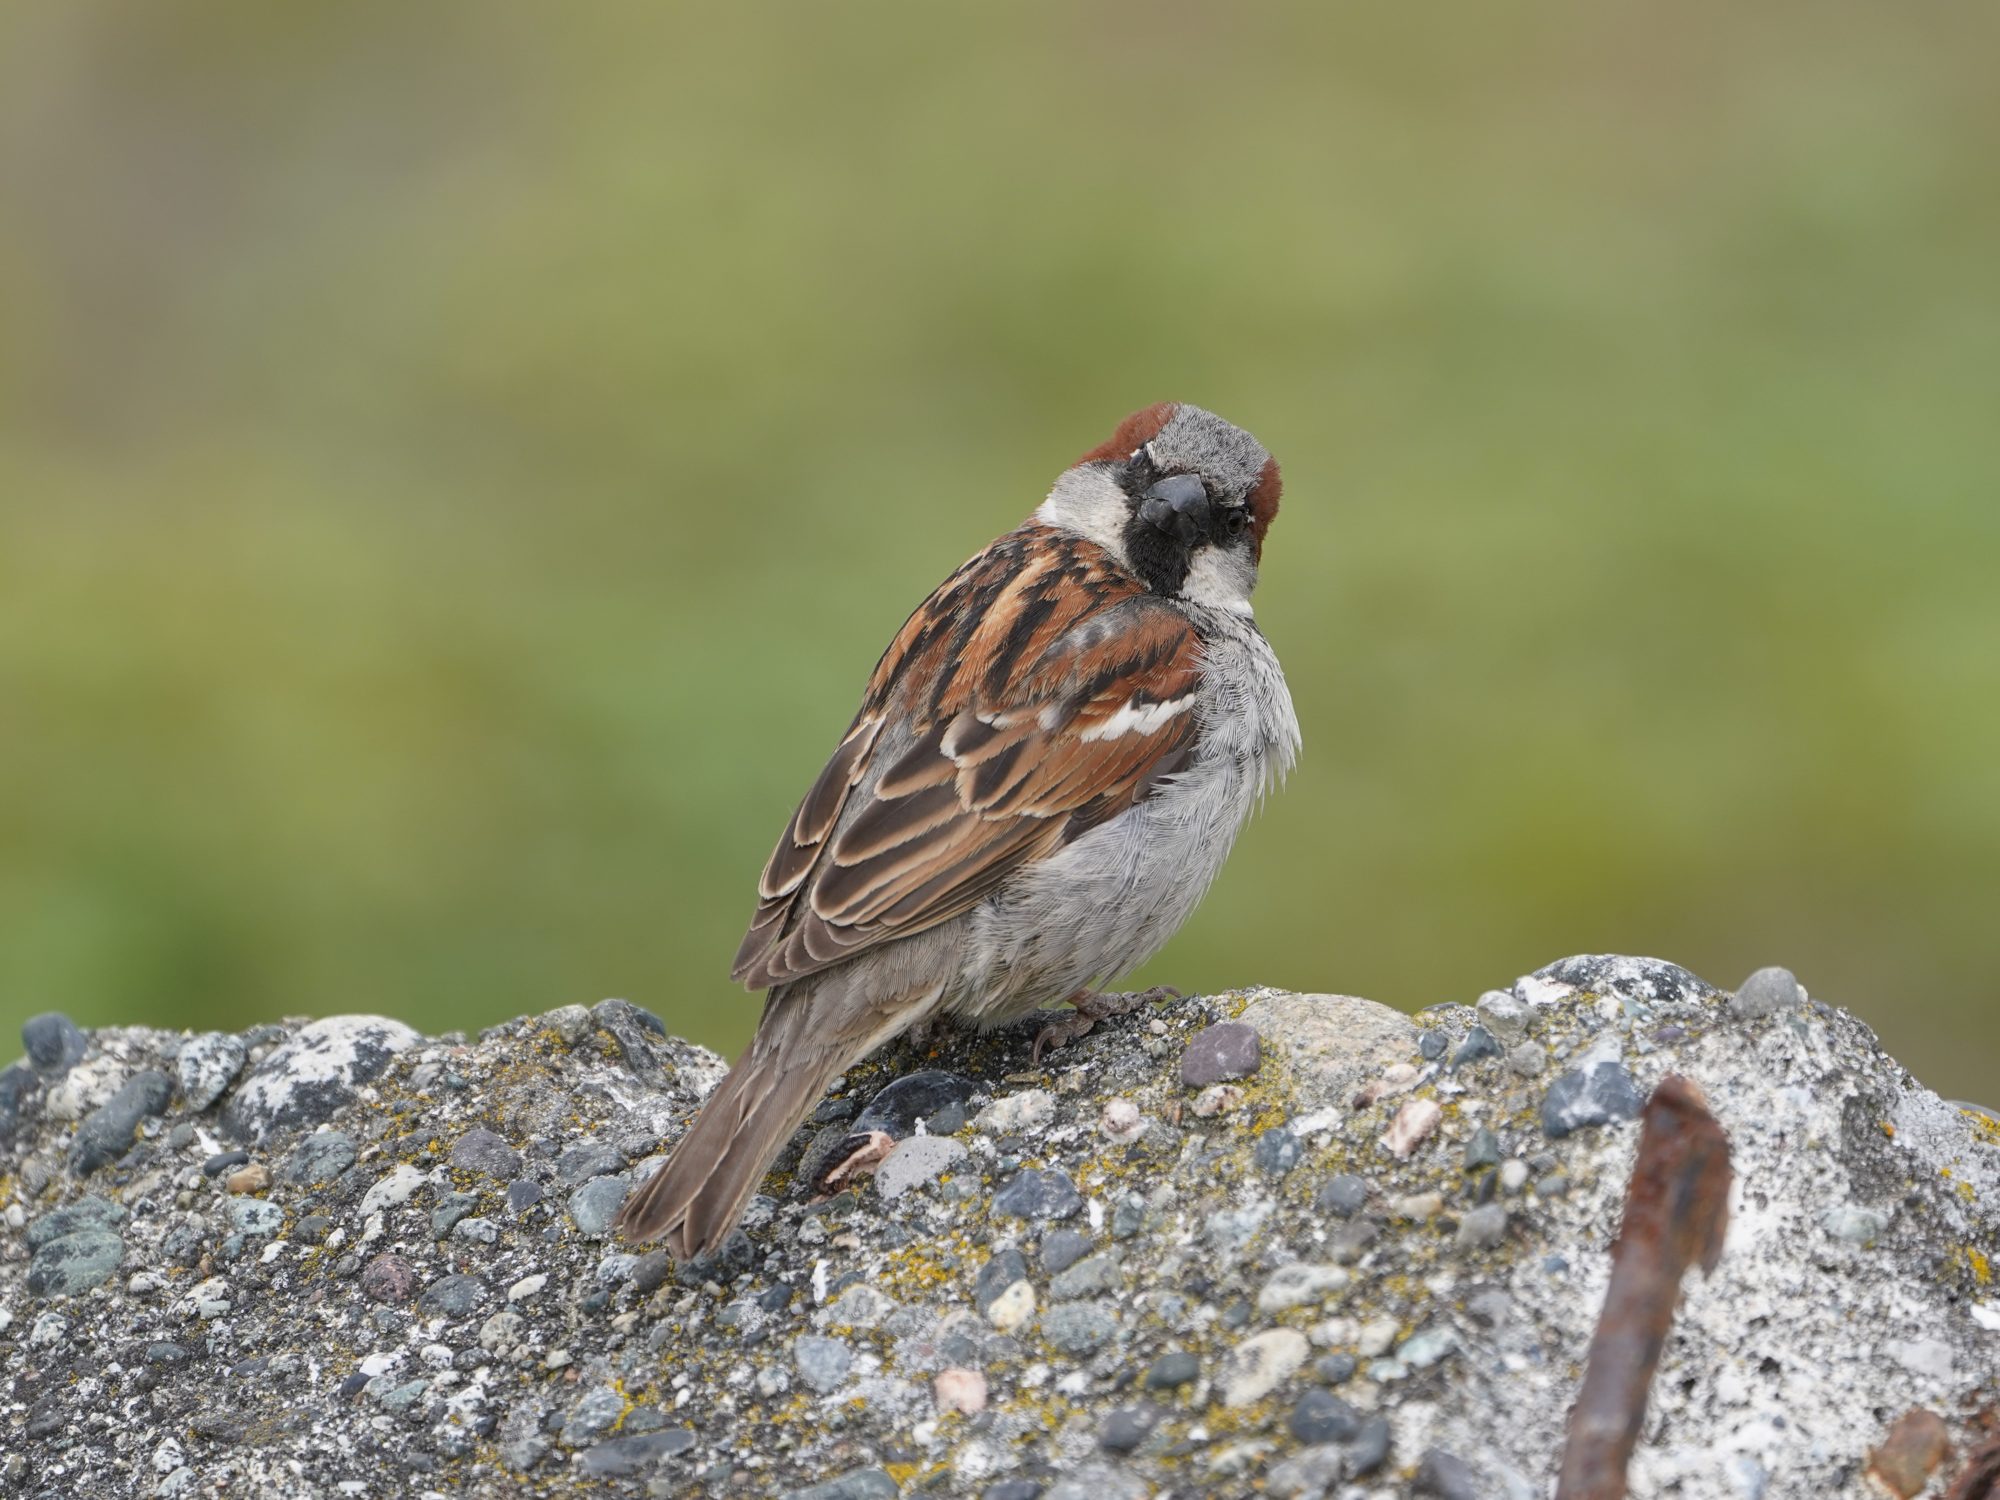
(458, 464)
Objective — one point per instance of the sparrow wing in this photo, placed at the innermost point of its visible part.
(1039, 692)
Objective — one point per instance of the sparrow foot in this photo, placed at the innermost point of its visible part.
(869, 1153)
(1092, 1008)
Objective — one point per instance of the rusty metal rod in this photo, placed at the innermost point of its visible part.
(1676, 1211)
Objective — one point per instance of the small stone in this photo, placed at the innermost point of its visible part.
(1216, 1054)
(523, 1195)
(253, 1178)
(913, 1101)
(1911, 1453)
(256, 1216)
(1128, 1427)
(1419, 1208)
(1037, 1194)
(1335, 1369)
(54, 1043)
(593, 1206)
(1061, 1249)
(649, 1272)
(391, 1189)
(527, 1288)
(1426, 1347)
(1277, 1151)
(1322, 1417)
(1090, 1277)
(1370, 1449)
(594, 1411)
(1503, 1015)
(316, 1074)
(454, 1296)
(1216, 1099)
(1129, 1217)
(222, 1161)
(320, 1157)
(1513, 1176)
(1078, 1328)
(822, 1363)
(1376, 1338)
(1554, 1185)
(71, 1264)
(572, 1023)
(1929, 1359)
(1121, 1121)
(1765, 993)
(622, 1457)
(1597, 1094)
(1483, 1227)
(916, 1161)
(959, 1390)
(1528, 1060)
(484, 1151)
(388, 1278)
(207, 1065)
(88, 1212)
(1260, 1364)
(1011, 1114)
(1479, 1044)
(1297, 1284)
(1854, 1224)
(1012, 1308)
(1433, 1044)
(1415, 1120)
(855, 1484)
(1482, 1150)
(1351, 1241)
(1447, 1477)
(1171, 1371)
(1343, 1197)
(1003, 1269)
(451, 1210)
(591, 1159)
(106, 1132)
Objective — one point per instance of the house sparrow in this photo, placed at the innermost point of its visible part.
(1050, 764)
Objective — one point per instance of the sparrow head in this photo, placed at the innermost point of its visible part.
(1180, 497)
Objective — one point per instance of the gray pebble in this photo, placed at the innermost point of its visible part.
(1219, 1053)
(1503, 1015)
(1343, 1197)
(320, 1157)
(1483, 1150)
(1765, 993)
(1033, 1193)
(593, 1206)
(822, 1363)
(1004, 1269)
(1483, 1227)
(649, 1272)
(1433, 1044)
(1172, 1370)
(1063, 1248)
(451, 1208)
(54, 1043)
(455, 1296)
(916, 1161)
(637, 1454)
(72, 1264)
(106, 1132)
(316, 1074)
(483, 1150)
(1335, 1369)
(1554, 1185)
(477, 1231)
(1087, 1278)
(1585, 1097)
(855, 1484)
(1528, 1060)
(1128, 1218)
(1479, 1044)
(207, 1065)
(1447, 1477)
(1322, 1417)
(222, 1161)
(1370, 1449)
(591, 1413)
(255, 1216)
(1277, 1151)
(523, 1194)
(592, 1159)
(1128, 1427)
(1078, 1328)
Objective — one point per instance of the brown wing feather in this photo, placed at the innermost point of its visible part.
(1048, 690)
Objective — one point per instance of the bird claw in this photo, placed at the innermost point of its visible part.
(1092, 1008)
(872, 1151)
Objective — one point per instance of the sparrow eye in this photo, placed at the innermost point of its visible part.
(1234, 520)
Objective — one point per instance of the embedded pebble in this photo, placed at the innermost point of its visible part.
(1010, 1113)
(1765, 993)
(484, 1151)
(1479, 1044)
(1089, 1277)
(822, 1363)
(1513, 1176)
(1128, 1427)
(54, 1043)
(315, 1074)
(634, 1455)
(1599, 1094)
(1415, 1120)
(393, 1188)
(1172, 1370)
(1217, 1098)
(1061, 1249)
(106, 1132)
(253, 1178)
(1344, 1196)
(1121, 1121)
(915, 1100)
(207, 1065)
(957, 1390)
(320, 1157)
(1217, 1054)
(1033, 1193)
(1078, 1328)
(1277, 1150)
(1482, 1228)
(72, 1264)
(593, 1206)
(1528, 1060)
(389, 1278)
(918, 1160)
(1322, 1417)
(1503, 1015)
(1297, 1284)
(1260, 1364)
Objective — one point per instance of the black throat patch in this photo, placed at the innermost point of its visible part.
(1160, 560)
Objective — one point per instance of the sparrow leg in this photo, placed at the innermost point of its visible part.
(868, 1154)
(1092, 1007)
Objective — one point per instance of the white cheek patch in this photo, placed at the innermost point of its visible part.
(1138, 718)
(1088, 502)
(1220, 580)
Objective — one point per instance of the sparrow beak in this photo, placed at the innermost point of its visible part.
(1178, 506)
